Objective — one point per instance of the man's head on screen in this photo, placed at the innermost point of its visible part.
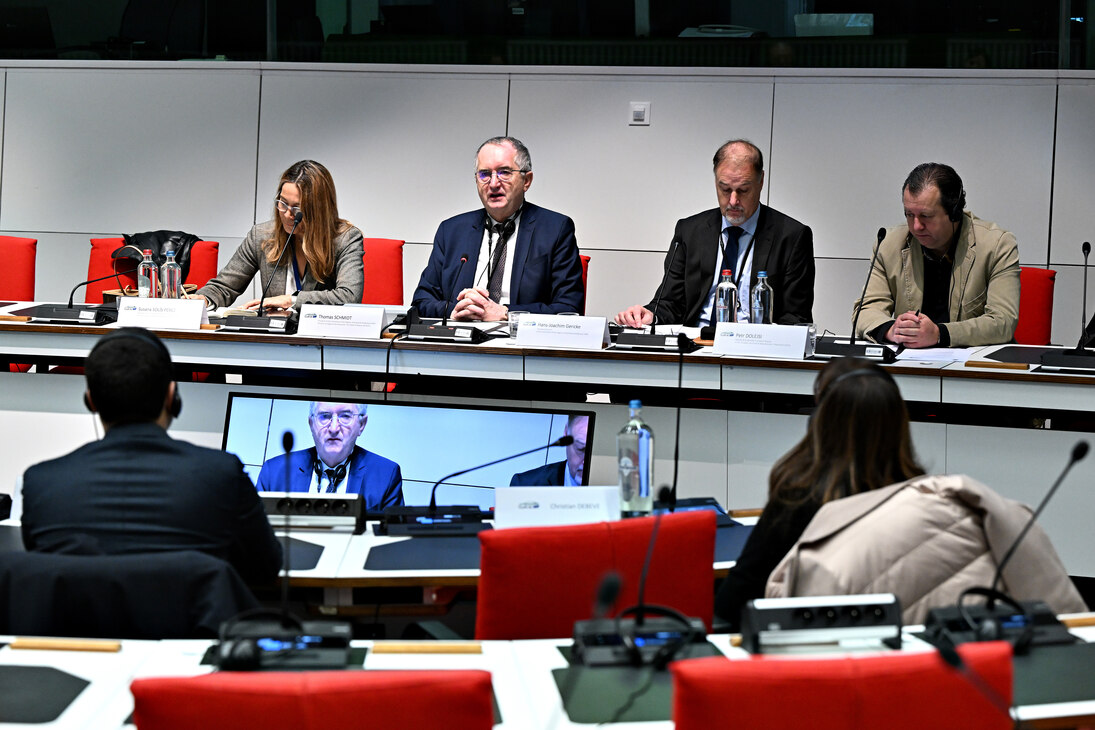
(577, 427)
(335, 428)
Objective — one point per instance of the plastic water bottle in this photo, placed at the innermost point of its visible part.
(726, 299)
(635, 457)
(762, 300)
(147, 276)
(171, 276)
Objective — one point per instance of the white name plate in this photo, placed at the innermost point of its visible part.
(553, 330)
(539, 506)
(333, 320)
(169, 314)
(762, 340)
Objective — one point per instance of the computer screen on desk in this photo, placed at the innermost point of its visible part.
(425, 442)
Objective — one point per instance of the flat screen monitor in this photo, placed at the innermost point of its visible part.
(425, 441)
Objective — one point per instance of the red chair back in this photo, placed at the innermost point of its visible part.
(17, 273)
(585, 280)
(203, 267)
(1035, 306)
(894, 691)
(383, 262)
(315, 701)
(535, 582)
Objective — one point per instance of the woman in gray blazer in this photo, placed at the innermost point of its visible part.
(324, 264)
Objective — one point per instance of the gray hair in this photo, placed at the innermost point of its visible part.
(523, 158)
(361, 407)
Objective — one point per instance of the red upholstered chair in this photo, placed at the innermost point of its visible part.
(893, 691)
(457, 699)
(17, 273)
(1035, 305)
(383, 262)
(203, 266)
(585, 281)
(535, 582)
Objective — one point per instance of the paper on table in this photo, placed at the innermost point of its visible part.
(936, 354)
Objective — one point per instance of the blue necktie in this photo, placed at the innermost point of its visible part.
(730, 252)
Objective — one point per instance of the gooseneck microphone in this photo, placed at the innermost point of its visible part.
(297, 218)
(561, 441)
(1079, 452)
(831, 347)
(661, 287)
(870, 270)
(72, 294)
(1082, 343)
(448, 300)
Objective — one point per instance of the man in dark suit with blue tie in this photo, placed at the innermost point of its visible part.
(740, 235)
(510, 255)
(336, 464)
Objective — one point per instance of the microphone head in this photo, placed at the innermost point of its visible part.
(287, 441)
(1079, 451)
(608, 591)
(881, 234)
(463, 259)
(564, 440)
(665, 494)
(298, 217)
(1086, 248)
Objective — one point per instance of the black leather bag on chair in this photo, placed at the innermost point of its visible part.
(159, 242)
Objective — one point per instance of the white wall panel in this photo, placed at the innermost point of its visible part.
(126, 151)
(625, 187)
(842, 149)
(1072, 173)
(988, 455)
(837, 285)
(400, 147)
(1068, 301)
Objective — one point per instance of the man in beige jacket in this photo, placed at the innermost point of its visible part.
(946, 278)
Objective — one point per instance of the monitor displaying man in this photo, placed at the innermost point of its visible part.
(336, 464)
(569, 472)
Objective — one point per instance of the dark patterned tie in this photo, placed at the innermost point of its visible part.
(730, 252)
(498, 261)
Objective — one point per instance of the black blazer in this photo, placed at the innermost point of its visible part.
(782, 246)
(137, 490)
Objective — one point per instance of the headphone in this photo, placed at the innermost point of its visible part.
(955, 213)
(142, 335)
(666, 651)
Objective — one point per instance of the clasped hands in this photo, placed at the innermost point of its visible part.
(475, 305)
(913, 329)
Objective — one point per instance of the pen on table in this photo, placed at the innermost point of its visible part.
(901, 347)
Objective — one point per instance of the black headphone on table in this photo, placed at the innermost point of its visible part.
(142, 335)
(989, 627)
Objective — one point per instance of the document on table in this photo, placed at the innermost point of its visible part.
(936, 354)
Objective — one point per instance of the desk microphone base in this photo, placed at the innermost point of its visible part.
(832, 347)
(445, 333)
(443, 522)
(603, 642)
(655, 343)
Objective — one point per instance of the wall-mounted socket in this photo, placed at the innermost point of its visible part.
(639, 114)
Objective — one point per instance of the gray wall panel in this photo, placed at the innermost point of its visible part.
(125, 151)
(843, 149)
(1072, 178)
(626, 186)
(401, 148)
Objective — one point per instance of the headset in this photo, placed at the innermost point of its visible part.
(989, 627)
(142, 335)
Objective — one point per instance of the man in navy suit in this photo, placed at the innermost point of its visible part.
(567, 473)
(137, 490)
(336, 464)
(511, 255)
(741, 235)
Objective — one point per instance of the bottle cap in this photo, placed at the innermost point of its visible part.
(148, 252)
(762, 273)
(726, 272)
(636, 404)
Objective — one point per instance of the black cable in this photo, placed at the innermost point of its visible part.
(388, 359)
(639, 692)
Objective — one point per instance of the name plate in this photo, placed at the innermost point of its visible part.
(553, 330)
(169, 314)
(333, 320)
(763, 340)
(538, 506)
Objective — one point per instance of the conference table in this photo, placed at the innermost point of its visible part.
(56, 689)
